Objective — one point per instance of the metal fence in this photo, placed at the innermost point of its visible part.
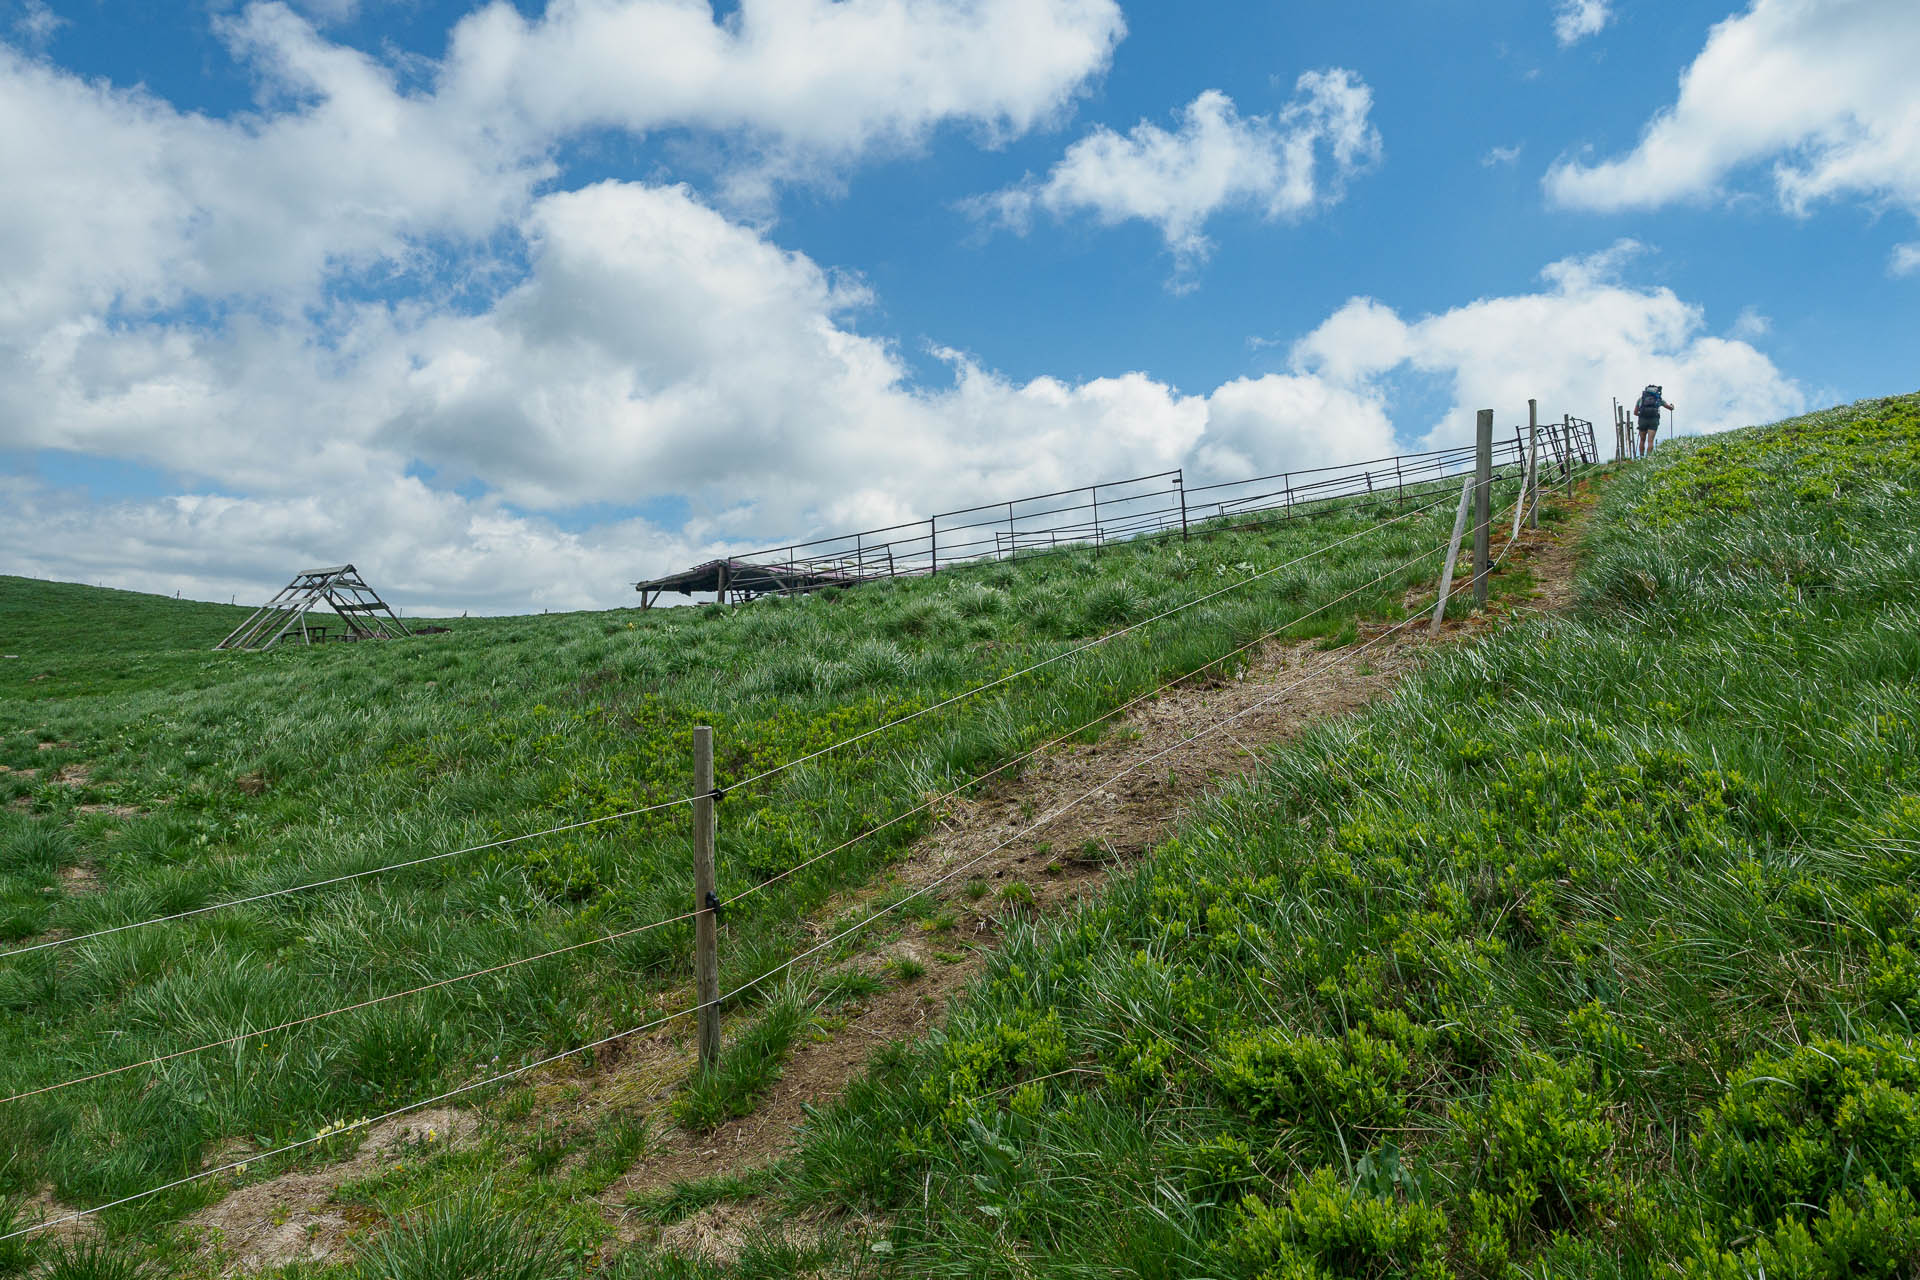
(1161, 504)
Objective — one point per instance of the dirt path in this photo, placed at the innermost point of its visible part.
(1142, 777)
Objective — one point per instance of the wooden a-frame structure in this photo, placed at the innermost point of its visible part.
(363, 614)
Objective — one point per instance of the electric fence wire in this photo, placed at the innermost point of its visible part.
(74, 939)
(944, 796)
(340, 879)
(1082, 648)
(514, 1072)
(242, 1037)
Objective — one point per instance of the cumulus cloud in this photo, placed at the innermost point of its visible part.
(828, 76)
(516, 358)
(1820, 90)
(426, 550)
(1500, 156)
(1905, 259)
(656, 347)
(1584, 338)
(139, 206)
(1282, 165)
(36, 23)
(1575, 20)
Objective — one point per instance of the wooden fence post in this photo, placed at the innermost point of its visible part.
(1520, 503)
(1013, 547)
(1533, 461)
(933, 545)
(706, 905)
(1453, 556)
(1566, 425)
(1483, 506)
(1180, 484)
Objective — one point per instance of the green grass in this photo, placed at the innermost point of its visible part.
(1595, 951)
(467, 1238)
(252, 772)
(684, 1199)
(747, 1067)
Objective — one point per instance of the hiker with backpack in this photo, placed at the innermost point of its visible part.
(1652, 401)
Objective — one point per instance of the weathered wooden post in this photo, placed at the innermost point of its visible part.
(1013, 547)
(933, 545)
(1180, 487)
(1482, 506)
(1533, 462)
(706, 903)
(1453, 556)
(1526, 485)
(1566, 425)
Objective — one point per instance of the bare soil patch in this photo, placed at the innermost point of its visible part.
(1058, 828)
(81, 877)
(288, 1218)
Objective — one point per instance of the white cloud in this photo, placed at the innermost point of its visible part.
(1280, 166)
(36, 23)
(426, 551)
(1582, 340)
(833, 77)
(1750, 324)
(173, 301)
(1822, 89)
(138, 206)
(1500, 156)
(1575, 20)
(1905, 259)
(658, 348)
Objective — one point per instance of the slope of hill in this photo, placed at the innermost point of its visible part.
(63, 638)
(220, 776)
(1590, 953)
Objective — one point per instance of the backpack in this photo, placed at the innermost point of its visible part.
(1649, 406)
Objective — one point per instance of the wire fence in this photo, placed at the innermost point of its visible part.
(926, 804)
(1250, 503)
(1156, 505)
(838, 745)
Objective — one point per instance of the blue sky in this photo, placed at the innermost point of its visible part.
(511, 306)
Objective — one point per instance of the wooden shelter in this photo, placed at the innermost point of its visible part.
(743, 580)
(362, 614)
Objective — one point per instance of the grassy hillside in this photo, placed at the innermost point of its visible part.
(1595, 952)
(67, 639)
(158, 778)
